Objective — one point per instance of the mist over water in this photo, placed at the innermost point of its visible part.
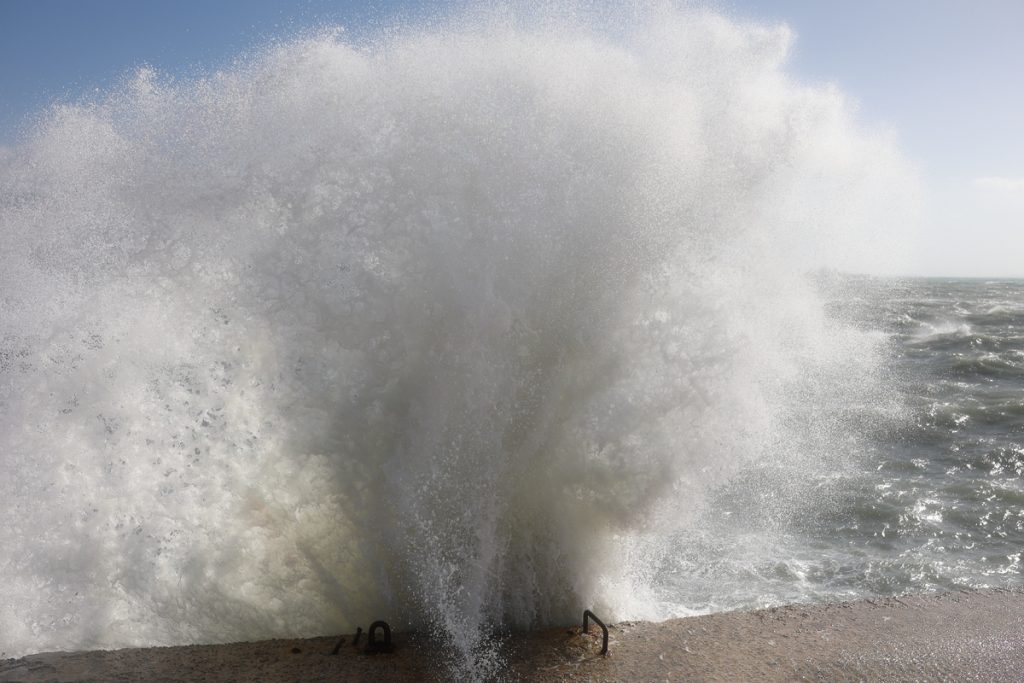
(457, 325)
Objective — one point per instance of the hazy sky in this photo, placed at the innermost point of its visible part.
(947, 76)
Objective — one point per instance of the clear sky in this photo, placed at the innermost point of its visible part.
(947, 76)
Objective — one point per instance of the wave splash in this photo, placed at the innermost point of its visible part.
(454, 326)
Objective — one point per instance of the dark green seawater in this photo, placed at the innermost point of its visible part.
(931, 500)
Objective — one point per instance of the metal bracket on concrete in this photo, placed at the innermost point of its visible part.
(587, 615)
(372, 646)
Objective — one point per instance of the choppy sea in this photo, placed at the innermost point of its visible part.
(933, 502)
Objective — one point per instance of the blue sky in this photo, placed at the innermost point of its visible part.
(944, 75)
(57, 49)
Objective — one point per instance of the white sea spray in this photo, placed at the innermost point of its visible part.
(454, 326)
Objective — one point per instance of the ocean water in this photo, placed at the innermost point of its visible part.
(474, 324)
(933, 500)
